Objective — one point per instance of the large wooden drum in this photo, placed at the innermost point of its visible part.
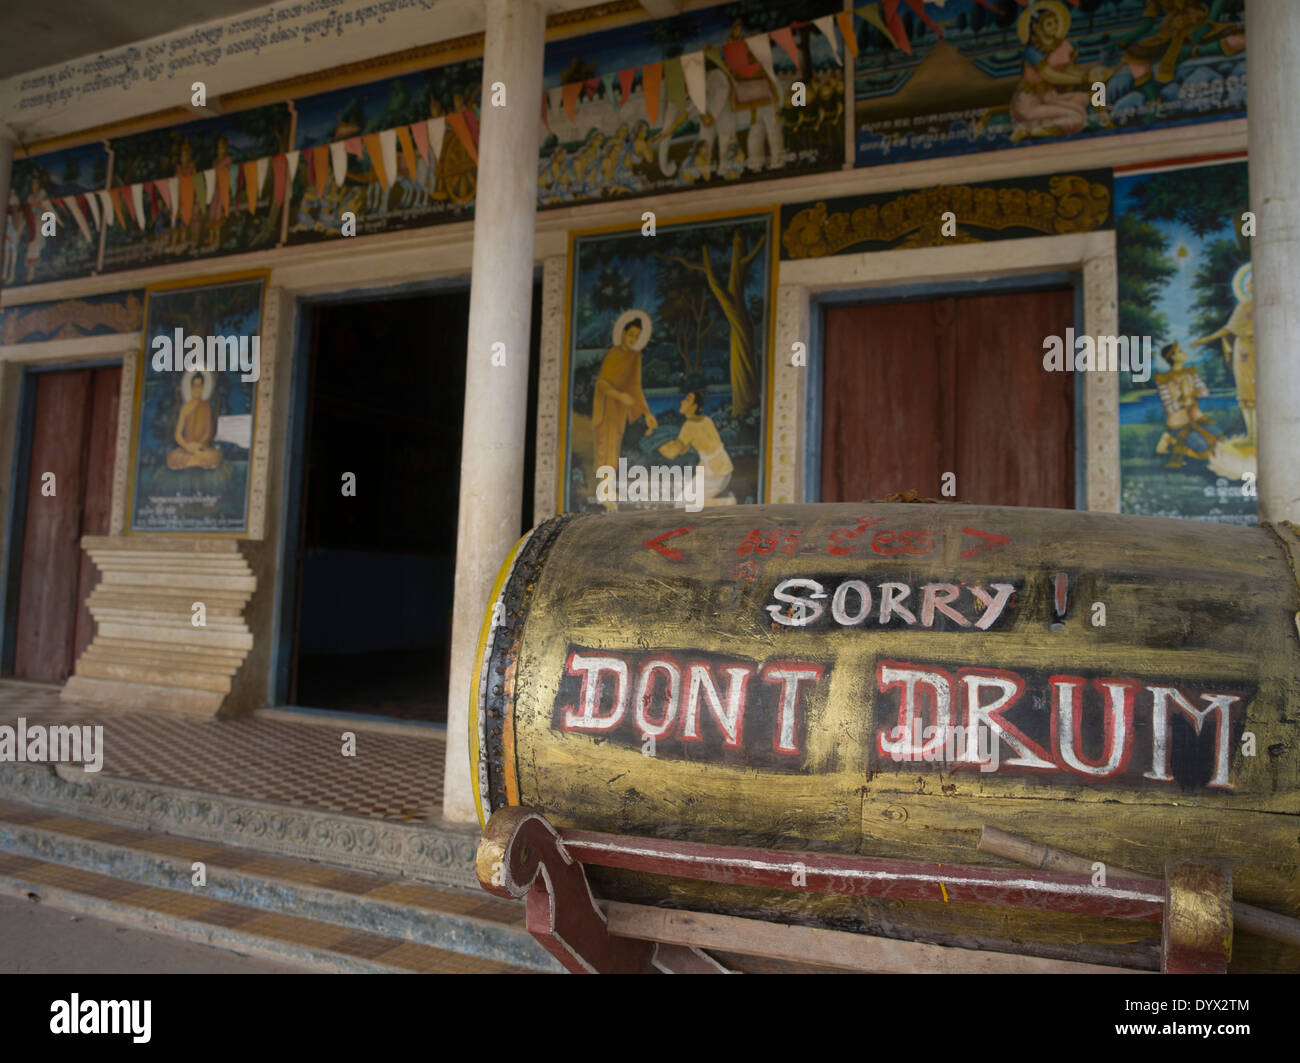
(885, 679)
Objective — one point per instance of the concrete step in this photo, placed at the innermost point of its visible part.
(296, 911)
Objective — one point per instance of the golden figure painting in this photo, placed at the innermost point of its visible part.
(668, 362)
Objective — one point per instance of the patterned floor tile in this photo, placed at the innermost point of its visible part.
(392, 776)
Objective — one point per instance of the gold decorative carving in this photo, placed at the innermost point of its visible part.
(1073, 204)
(66, 319)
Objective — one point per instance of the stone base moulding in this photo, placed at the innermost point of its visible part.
(437, 853)
(148, 653)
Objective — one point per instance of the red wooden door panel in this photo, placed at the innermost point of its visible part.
(884, 412)
(1015, 425)
(51, 568)
(916, 389)
(96, 507)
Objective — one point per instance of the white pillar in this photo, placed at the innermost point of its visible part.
(496, 396)
(1272, 28)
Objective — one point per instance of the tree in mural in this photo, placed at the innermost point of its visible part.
(692, 313)
(1144, 270)
(1215, 303)
(1222, 194)
(612, 291)
(268, 127)
(729, 293)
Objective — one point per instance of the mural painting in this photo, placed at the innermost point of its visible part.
(195, 407)
(396, 153)
(700, 99)
(200, 189)
(668, 351)
(38, 248)
(1188, 435)
(975, 75)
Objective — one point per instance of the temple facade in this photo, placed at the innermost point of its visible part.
(309, 313)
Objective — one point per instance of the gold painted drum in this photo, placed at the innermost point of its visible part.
(886, 679)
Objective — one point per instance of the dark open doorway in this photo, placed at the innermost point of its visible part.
(376, 557)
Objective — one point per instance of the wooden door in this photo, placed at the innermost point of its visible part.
(74, 434)
(918, 388)
(96, 507)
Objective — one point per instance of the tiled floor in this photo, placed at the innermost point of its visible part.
(392, 776)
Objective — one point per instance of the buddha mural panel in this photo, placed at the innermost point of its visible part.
(194, 414)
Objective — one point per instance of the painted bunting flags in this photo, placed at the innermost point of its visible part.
(651, 78)
(826, 24)
(850, 35)
(437, 130)
(761, 48)
(407, 145)
(279, 167)
(388, 145)
(70, 202)
(376, 153)
(137, 201)
(675, 82)
(893, 29)
(785, 38)
(251, 186)
(420, 135)
(570, 94)
(339, 162)
(466, 134)
(696, 82)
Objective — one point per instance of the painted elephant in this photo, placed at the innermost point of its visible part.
(734, 105)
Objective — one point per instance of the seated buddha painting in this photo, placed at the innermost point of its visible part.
(194, 425)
